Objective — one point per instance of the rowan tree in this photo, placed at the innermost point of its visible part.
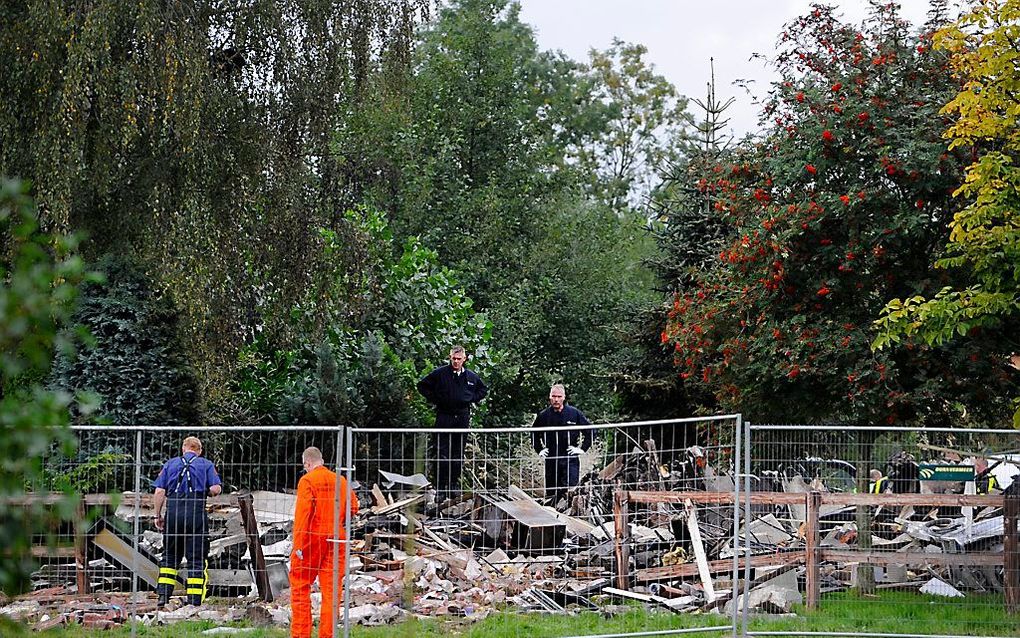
(832, 212)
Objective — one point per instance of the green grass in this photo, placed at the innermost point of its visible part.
(902, 612)
(890, 612)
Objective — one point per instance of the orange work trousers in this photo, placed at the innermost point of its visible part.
(318, 563)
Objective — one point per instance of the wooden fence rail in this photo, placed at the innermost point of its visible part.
(813, 555)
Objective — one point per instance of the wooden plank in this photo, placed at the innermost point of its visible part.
(915, 500)
(718, 498)
(251, 529)
(45, 551)
(814, 505)
(908, 558)
(621, 540)
(624, 593)
(686, 570)
(699, 551)
(399, 505)
(378, 496)
(1011, 554)
(828, 498)
(81, 560)
(92, 500)
(610, 471)
(124, 553)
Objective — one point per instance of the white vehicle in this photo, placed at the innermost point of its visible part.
(1005, 467)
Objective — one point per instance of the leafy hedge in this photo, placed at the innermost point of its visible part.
(136, 365)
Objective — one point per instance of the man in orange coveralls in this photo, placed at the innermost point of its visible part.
(312, 554)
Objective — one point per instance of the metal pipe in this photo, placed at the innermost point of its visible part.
(735, 578)
(337, 495)
(347, 531)
(747, 521)
(138, 509)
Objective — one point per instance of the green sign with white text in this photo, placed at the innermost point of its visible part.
(933, 472)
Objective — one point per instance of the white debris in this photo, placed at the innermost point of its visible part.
(937, 587)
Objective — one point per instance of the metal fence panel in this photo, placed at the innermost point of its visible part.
(501, 540)
(620, 542)
(881, 538)
(517, 532)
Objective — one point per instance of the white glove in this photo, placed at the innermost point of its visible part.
(544, 453)
(573, 450)
(299, 554)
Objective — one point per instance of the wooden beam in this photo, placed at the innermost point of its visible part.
(81, 559)
(45, 551)
(719, 498)
(124, 553)
(699, 551)
(378, 496)
(814, 505)
(1011, 554)
(398, 505)
(828, 498)
(246, 503)
(621, 539)
(686, 570)
(916, 500)
(872, 557)
(91, 500)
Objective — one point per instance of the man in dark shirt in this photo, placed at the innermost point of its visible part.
(452, 389)
(561, 449)
(182, 485)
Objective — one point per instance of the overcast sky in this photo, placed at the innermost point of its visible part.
(681, 36)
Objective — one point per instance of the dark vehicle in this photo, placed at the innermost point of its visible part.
(836, 474)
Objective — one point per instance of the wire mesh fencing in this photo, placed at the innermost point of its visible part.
(125, 553)
(622, 529)
(581, 519)
(907, 530)
(509, 523)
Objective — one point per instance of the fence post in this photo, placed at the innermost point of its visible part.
(81, 557)
(349, 463)
(814, 503)
(1011, 557)
(738, 459)
(621, 516)
(338, 580)
(245, 503)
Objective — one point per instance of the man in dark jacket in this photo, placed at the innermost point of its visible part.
(561, 449)
(182, 486)
(452, 389)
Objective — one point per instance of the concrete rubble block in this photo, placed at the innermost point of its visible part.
(376, 614)
(777, 595)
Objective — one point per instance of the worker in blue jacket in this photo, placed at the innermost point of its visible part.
(182, 486)
(561, 449)
(452, 389)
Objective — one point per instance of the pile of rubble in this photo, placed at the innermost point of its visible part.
(498, 549)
